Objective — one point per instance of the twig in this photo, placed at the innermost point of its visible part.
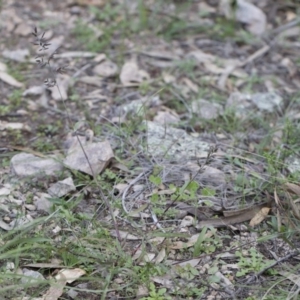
(274, 34)
(81, 70)
(291, 255)
(132, 183)
(252, 278)
(231, 68)
(283, 27)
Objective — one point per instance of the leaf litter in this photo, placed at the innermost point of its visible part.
(182, 186)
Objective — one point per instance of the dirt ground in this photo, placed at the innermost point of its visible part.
(184, 120)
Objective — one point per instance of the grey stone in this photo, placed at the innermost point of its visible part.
(99, 155)
(62, 188)
(293, 164)
(164, 140)
(42, 202)
(25, 164)
(267, 101)
(31, 276)
(19, 55)
(206, 110)
(245, 104)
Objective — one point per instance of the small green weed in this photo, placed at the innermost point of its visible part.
(15, 70)
(252, 263)
(15, 98)
(187, 272)
(4, 109)
(207, 242)
(156, 294)
(86, 36)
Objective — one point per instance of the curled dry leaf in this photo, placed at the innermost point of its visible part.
(125, 235)
(191, 242)
(23, 29)
(190, 84)
(260, 216)
(161, 54)
(160, 256)
(289, 64)
(92, 80)
(234, 217)
(14, 126)
(246, 13)
(187, 221)
(168, 78)
(106, 69)
(70, 275)
(157, 240)
(293, 188)
(76, 54)
(142, 292)
(63, 82)
(19, 55)
(3, 67)
(34, 91)
(63, 277)
(148, 257)
(10, 80)
(131, 75)
(166, 117)
(192, 262)
(98, 3)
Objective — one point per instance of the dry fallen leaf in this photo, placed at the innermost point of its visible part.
(125, 235)
(98, 3)
(92, 80)
(161, 54)
(14, 126)
(45, 265)
(160, 256)
(192, 262)
(10, 80)
(166, 117)
(260, 216)
(63, 277)
(246, 13)
(168, 78)
(63, 81)
(232, 217)
(293, 188)
(131, 75)
(191, 242)
(70, 275)
(190, 84)
(106, 69)
(19, 55)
